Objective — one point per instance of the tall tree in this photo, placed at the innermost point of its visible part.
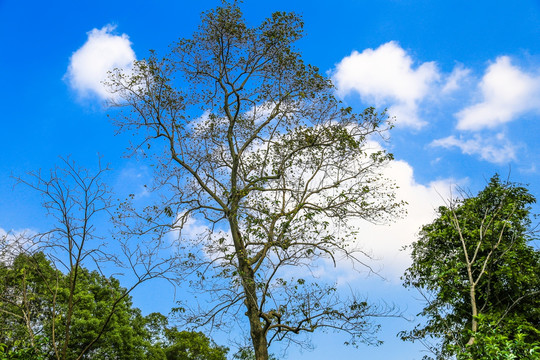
(478, 272)
(251, 142)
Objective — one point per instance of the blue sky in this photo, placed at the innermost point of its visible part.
(461, 77)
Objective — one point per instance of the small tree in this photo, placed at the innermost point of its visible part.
(252, 143)
(169, 343)
(477, 271)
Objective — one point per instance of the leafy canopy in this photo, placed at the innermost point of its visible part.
(31, 290)
(478, 271)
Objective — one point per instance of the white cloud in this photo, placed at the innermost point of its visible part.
(386, 76)
(456, 78)
(493, 149)
(507, 93)
(196, 230)
(384, 242)
(102, 52)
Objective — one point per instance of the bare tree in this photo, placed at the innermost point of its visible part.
(79, 204)
(250, 143)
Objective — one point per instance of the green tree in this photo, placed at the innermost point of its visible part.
(188, 345)
(27, 304)
(169, 343)
(34, 299)
(24, 301)
(478, 273)
(98, 314)
(22, 350)
(247, 353)
(250, 140)
(493, 344)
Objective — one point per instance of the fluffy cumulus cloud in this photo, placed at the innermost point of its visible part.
(387, 76)
(103, 51)
(385, 243)
(507, 92)
(496, 149)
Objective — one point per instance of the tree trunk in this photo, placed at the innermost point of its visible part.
(258, 337)
(474, 313)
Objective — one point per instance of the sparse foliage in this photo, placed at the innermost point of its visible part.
(250, 144)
